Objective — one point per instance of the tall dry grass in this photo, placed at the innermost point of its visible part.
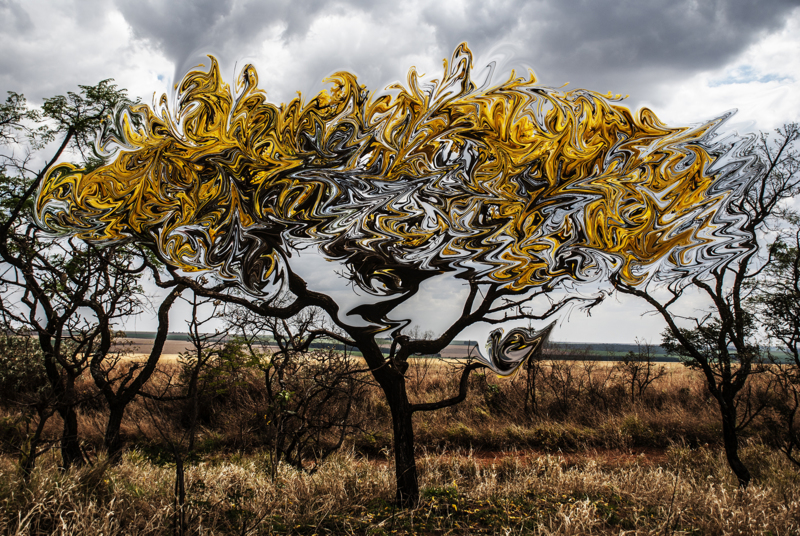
(578, 406)
(585, 458)
(691, 493)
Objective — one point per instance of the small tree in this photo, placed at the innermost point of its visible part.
(25, 389)
(724, 344)
(172, 398)
(312, 386)
(639, 371)
(65, 293)
(777, 305)
(46, 293)
(121, 382)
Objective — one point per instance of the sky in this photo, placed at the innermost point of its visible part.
(688, 60)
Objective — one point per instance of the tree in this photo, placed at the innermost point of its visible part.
(311, 392)
(389, 370)
(724, 344)
(516, 190)
(639, 371)
(66, 293)
(71, 122)
(776, 301)
(172, 402)
(24, 387)
(121, 382)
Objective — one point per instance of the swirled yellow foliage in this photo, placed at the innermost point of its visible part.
(513, 183)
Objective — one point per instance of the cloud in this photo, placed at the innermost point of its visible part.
(629, 47)
(687, 59)
(67, 44)
(14, 12)
(761, 82)
(745, 74)
(632, 47)
(626, 47)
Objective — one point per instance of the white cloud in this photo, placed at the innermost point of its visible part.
(763, 83)
(66, 46)
(378, 57)
(689, 61)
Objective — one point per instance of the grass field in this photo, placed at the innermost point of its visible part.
(584, 458)
(688, 492)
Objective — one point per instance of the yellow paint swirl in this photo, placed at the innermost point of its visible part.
(512, 183)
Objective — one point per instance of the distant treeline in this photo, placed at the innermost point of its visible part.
(568, 351)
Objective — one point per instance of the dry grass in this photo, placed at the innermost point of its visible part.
(690, 493)
(584, 460)
(587, 410)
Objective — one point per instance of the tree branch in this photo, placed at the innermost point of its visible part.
(462, 392)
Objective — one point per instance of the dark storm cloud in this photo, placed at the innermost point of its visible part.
(13, 12)
(621, 46)
(685, 34)
(628, 47)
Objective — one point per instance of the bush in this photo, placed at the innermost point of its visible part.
(22, 372)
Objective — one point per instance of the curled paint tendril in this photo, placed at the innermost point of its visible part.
(515, 184)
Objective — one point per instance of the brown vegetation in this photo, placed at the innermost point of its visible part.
(585, 459)
(692, 492)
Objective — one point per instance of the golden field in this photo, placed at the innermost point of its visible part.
(584, 459)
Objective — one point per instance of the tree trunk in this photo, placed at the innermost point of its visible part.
(71, 454)
(393, 384)
(179, 517)
(28, 460)
(405, 464)
(113, 440)
(731, 441)
(530, 388)
(403, 431)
